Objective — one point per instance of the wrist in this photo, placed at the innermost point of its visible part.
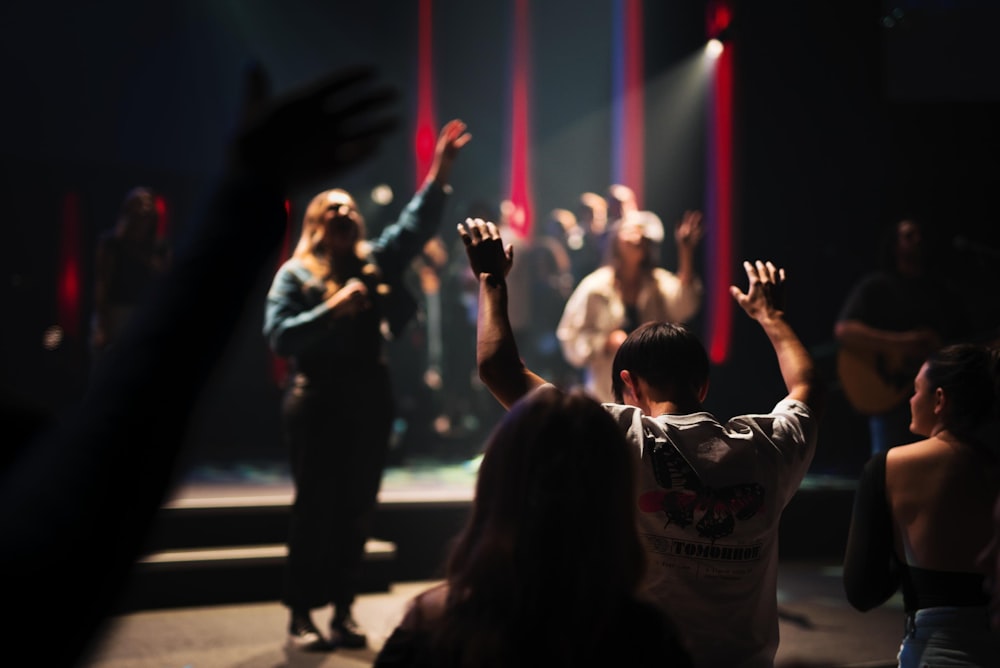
(771, 318)
(492, 280)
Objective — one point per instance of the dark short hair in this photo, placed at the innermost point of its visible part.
(666, 355)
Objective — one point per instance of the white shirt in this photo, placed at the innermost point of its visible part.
(595, 309)
(710, 499)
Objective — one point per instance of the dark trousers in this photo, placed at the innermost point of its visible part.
(337, 436)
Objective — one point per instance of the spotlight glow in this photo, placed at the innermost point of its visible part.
(714, 48)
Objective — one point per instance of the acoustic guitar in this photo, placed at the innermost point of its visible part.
(875, 382)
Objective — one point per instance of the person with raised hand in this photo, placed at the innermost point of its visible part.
(710, 493)
(329, 309)
(79, 493)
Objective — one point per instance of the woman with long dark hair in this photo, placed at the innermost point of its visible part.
(547, 568)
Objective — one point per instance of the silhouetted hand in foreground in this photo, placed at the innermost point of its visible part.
(317, 130)
(82, 480)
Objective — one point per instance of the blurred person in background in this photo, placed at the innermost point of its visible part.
(330, 307)
(627, 291)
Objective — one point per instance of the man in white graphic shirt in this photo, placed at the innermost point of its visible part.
(710, 493)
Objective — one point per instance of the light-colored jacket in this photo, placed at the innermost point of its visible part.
(595, 309)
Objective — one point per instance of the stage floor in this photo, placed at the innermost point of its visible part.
(818, 629)
(818, 626)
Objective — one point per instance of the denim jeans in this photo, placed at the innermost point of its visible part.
(949, 636)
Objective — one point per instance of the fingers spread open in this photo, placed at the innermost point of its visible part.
(763, 275)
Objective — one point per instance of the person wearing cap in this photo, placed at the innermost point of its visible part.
(628, 290)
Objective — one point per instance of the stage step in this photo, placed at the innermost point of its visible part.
(218, 551)
(245, 555)
(235, 574)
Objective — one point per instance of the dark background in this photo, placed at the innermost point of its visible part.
(847, 116)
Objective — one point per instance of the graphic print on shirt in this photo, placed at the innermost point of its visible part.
(684, 498)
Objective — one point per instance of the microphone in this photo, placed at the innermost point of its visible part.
(373, 276)
(378, 290)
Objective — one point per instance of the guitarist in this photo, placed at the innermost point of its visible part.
(891, 320)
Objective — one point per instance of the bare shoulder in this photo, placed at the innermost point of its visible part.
(902, 455)
(943, 461)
